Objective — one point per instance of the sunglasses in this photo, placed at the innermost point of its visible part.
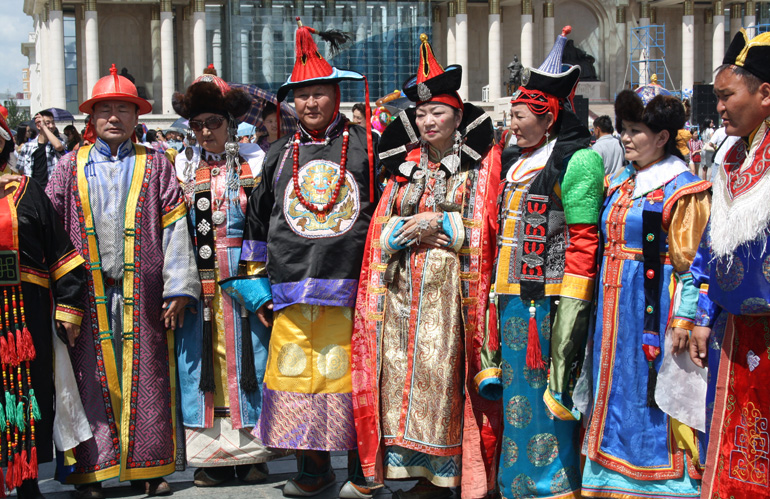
(212, 123)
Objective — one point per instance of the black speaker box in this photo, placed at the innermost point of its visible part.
(703, 105)
(581, 109)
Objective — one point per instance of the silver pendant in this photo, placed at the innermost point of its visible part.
(218, 217)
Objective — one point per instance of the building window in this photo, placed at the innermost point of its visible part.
(248, 43)
(70, 62)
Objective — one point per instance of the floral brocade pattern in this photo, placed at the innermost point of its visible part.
(766, 268)
(518, 412)
(421, 390)
(510, 452)
(729, 275)
(515, 333)
(542, 449)
(565, 479)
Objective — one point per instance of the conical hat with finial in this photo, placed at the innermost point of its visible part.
(549, 77)
(431, 79)
(115, 87)
(310, 67)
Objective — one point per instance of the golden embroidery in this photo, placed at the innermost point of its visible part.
(749, 460)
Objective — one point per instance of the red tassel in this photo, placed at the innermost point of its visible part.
(534, 354)
(30, 345)
(9, 478)
(33, 463)
(2, 483)
(18, 472)
(13, 359)
(23, 465)
(21, 346)
(3, 350)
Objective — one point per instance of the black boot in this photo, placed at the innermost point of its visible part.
(29, 490)
(314, 475)
(355, 485)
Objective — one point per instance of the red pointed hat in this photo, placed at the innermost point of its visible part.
(115, 87)
(432, 83)
(311, 68)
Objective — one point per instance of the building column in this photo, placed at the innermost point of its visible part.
(549, 28)
(43, 59)
(526, 34)
(216, 48)
(750, 19)
(644, 20)
(157, 86)
(717, 38)
(688, 46)
(184, 35)
(437, 41)
(268, 69)
(621, 52)
(91, 46)
(494, 49)
(451, 38)
(166, 55)
(736, 19)
(462, 45)
(56, 56)
(708, 28)
(199, 37)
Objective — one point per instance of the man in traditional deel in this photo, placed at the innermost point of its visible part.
(123, 208)
(732, 267)
(306, 226)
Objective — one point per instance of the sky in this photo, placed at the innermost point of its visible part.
(15, 30)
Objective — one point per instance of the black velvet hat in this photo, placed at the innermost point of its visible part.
(752, 55)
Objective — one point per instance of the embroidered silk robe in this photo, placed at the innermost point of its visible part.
(126, 217)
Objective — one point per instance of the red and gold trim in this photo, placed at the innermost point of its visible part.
(174, 215)
(68, 314)
(579, 287)
(66, 264)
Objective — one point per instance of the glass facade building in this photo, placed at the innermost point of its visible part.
(252, 41)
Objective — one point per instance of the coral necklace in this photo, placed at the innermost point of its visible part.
(295, 175)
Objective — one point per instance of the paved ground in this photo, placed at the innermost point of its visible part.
(181, 482)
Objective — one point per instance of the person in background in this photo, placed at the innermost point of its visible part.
(696, 154)
(38, 158)
(608, 146)
(718, 146)
(24, 134)
(270, 121)
(359, 114)
(74, 140)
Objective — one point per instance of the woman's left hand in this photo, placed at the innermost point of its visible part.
(679, 339)
(419, 228)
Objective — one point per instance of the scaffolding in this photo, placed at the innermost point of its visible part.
(647, 55)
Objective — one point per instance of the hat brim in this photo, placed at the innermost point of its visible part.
(446, 83)
(336, 76)
(559, 85)
(402, 135)
(144, 106)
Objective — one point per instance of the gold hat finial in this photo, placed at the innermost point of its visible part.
(423, 37)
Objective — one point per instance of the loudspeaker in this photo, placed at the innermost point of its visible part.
(703, 105)
(581, 109)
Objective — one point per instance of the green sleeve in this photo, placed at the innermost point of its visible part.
(583, 187)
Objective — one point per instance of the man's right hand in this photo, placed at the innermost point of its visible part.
(699, 346)
(265, 314)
